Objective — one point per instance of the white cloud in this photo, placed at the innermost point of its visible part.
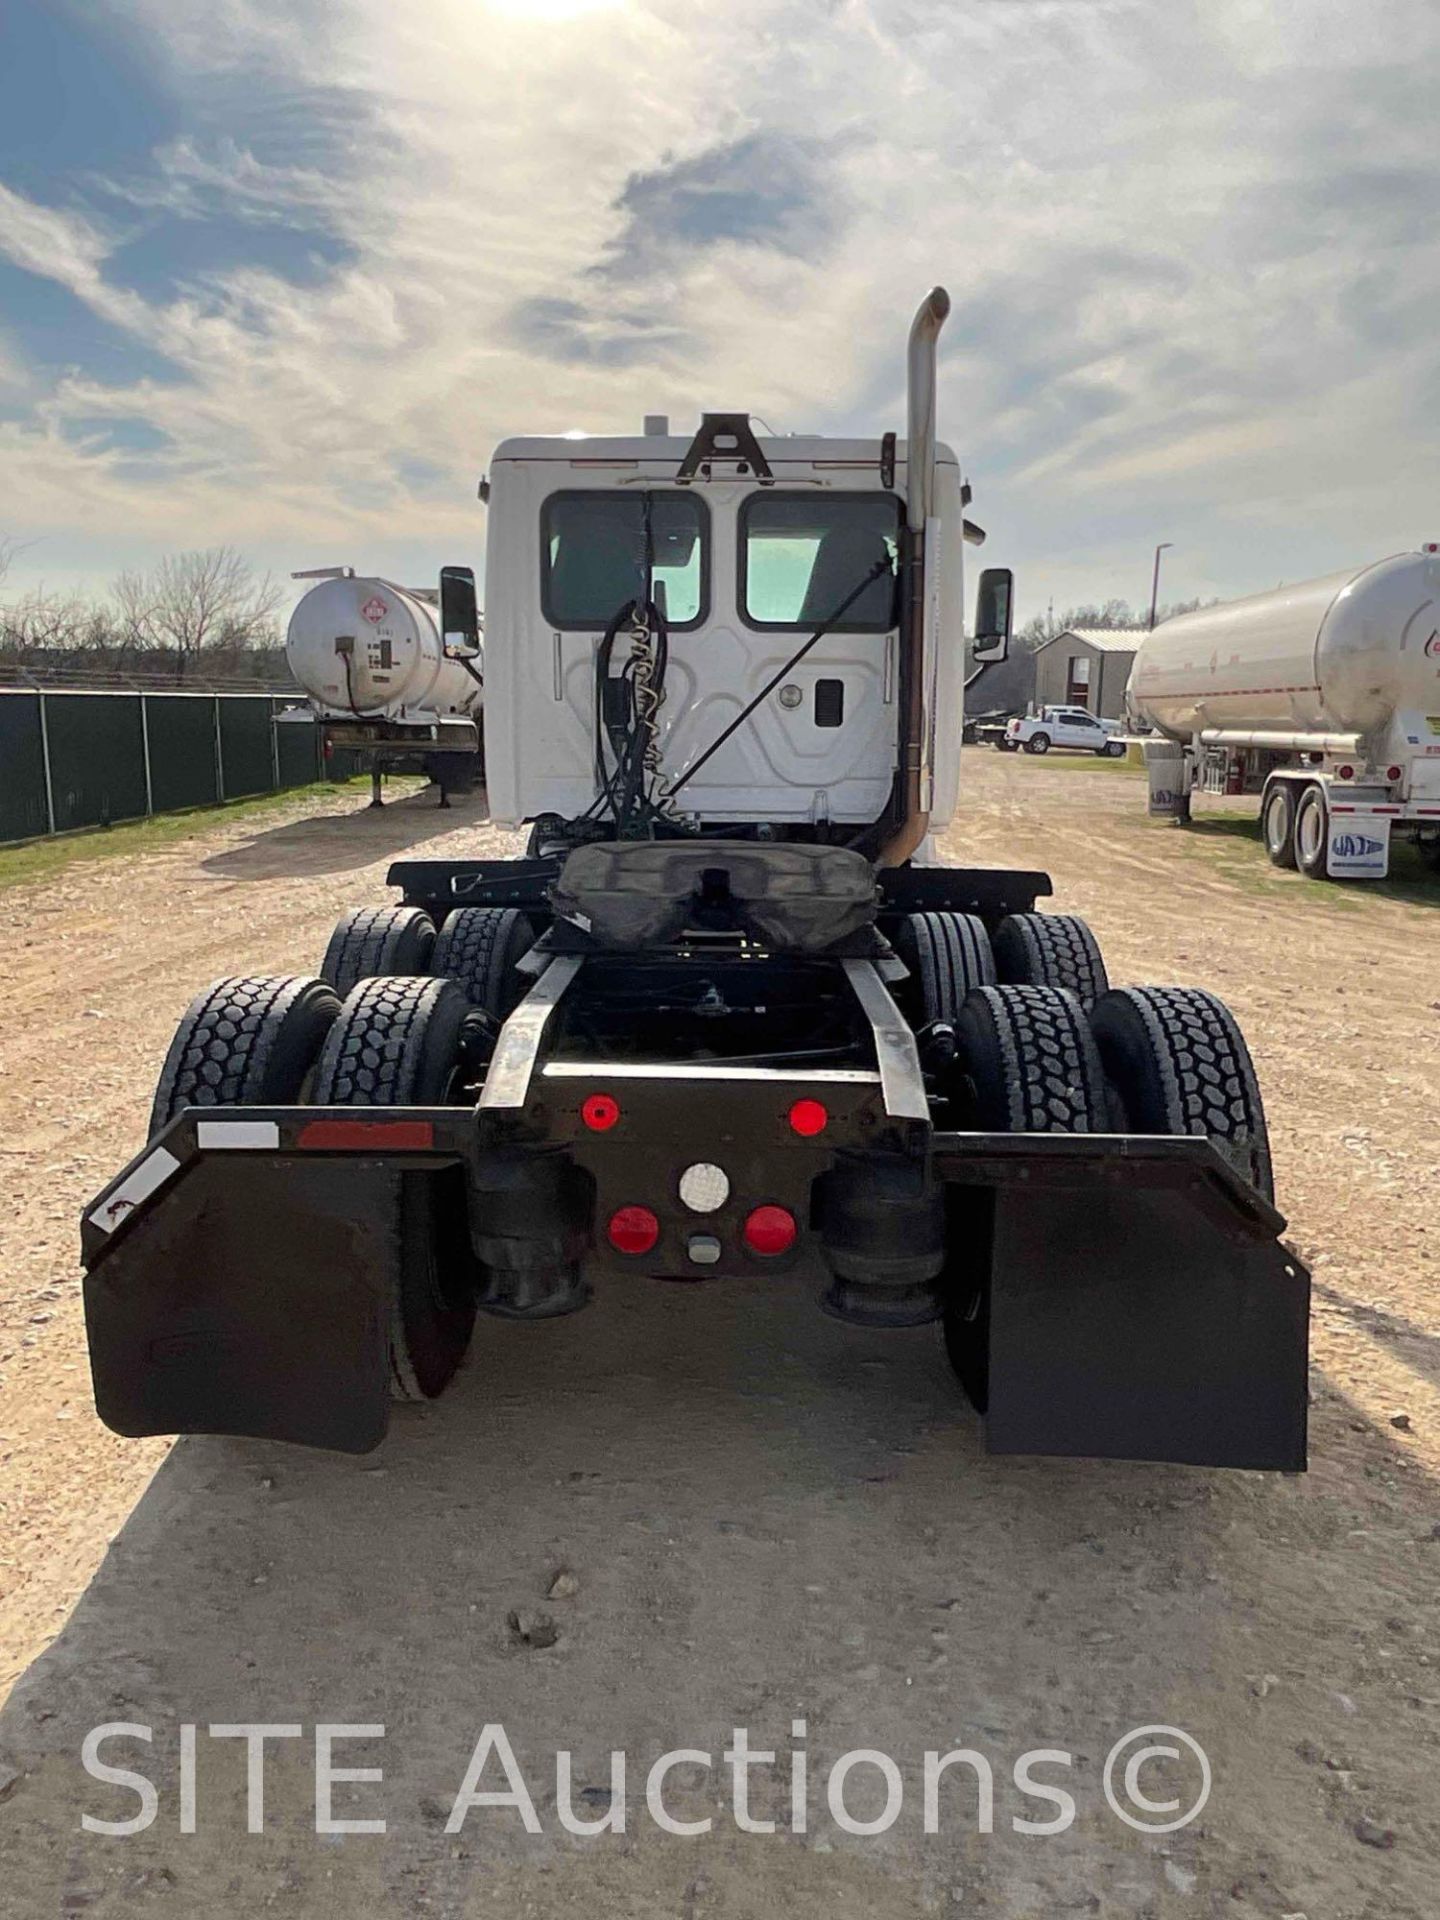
(1190, 251)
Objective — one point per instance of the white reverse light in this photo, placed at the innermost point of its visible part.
(704, 1188)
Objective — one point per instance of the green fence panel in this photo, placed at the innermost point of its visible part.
(182, 750)
(97, 758)
(22, 768)
(298, 743)
(246, 756)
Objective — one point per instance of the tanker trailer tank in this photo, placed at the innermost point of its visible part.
(1322, 699)
(386, 689)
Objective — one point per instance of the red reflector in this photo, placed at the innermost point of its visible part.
(361, 1136)
(1393, 773)
(809, 1117)
(633, 1230)
(770, 1230)
(600, 1112)
(1346, 773)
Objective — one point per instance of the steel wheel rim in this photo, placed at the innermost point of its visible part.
(1310, 834)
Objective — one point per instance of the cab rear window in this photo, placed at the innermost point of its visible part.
(802, 553)
(598, 549)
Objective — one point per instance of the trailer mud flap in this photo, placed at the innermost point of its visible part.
(1138, 1303)
(253, 1299)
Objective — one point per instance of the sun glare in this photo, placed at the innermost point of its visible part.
(547, 11)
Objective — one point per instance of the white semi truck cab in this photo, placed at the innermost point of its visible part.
(690, 635)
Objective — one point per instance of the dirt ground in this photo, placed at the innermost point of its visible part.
(765, 1518)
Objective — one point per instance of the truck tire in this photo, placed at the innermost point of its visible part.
(1008, 746)
(397, 1042)
(1312, 833)
(375, 940)
(1029, 1057)
(948, 955)
(1029, 1065)
(245, 1042)
(1277, 823)
(1050, 950)
(1179, 1062)
(1115, 750)
(478, 948)
(1038, 743)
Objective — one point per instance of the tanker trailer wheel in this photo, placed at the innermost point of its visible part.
(245, 1042)
(948, 954)
(1312, 833)
(401, 1042)
(1277, 823)
(1050, 950)
(1038, 743)
(376, 940)
(1177, 1059)
(478, 948)
(1029, 1065)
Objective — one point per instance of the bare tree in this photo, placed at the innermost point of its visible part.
(1111, 615)
(209, 598)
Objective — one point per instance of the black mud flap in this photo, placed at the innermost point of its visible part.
(251, 1297)
(1139, 1302)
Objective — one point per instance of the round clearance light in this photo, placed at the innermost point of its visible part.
(704, 1188)
(770, 1230)
(807, 1118)
(633, 1230)
(600, 1112)
(791, 696)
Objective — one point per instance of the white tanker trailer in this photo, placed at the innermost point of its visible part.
(384, 683)
(1322, 698)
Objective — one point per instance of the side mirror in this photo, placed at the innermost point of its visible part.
(459, 613)
(993, 616)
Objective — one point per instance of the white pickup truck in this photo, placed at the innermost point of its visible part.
(1063, 727)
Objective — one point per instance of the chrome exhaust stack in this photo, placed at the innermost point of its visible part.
(921, 406)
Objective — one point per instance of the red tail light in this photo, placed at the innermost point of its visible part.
(808, 1117)
(1346, 773)
(600, 1112)
(1394, 773)
(633, 1230)
(770, 1230)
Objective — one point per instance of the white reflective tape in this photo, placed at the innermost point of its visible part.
(243, 1134)
(153, 1171)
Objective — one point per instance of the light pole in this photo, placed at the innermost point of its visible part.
(1155, 581)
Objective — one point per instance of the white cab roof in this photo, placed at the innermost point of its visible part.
(797, 449)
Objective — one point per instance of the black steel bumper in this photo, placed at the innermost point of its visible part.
(1131, 1293)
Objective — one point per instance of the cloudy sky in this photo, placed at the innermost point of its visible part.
(280, 272)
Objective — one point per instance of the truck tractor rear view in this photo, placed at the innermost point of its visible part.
(724, 1021)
